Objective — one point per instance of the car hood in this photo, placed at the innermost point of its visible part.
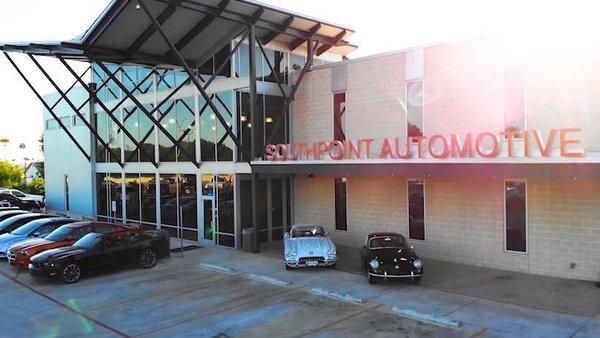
(388, 254)
(57, 254)
(310, 246)
(29, 243)
(7, 240)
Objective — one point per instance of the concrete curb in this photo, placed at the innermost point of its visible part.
(215, 267)
(426, 317)
(337, 295)
(269, 280)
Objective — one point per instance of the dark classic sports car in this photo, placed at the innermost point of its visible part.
(97, 250)
(386, 255)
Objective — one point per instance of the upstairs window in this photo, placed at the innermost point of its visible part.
(339, 118)
(514, 102)
(414, 108)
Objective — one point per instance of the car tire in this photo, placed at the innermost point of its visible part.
(287, 267)
(371, 279)
(416, 280)
(70, 273)
(147, 258)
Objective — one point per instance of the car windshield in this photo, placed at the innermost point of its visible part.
(59, 234)
(26, 229)
(308, 232)
(88, 241)
(387, 242)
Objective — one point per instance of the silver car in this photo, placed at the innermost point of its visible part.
(308, 245)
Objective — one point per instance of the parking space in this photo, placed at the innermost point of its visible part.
(184, 296)
(220, 292)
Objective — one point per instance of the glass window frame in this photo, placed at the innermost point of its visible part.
(408, 237)
(408, 105)
(505, 247)
(339, 227)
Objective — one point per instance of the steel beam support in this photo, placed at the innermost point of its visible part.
(190, 73)
(224, 63)
(253, 121)
(149, 31)
(147, 113)
(77, 112)
(102, 105)
(56, 118)
(271, 68)
(309, 59)
(71, 87)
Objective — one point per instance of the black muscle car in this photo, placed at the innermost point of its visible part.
(386, 255)
(97, 250)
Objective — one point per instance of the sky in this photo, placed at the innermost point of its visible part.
(380, 25)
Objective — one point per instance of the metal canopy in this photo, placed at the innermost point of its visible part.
(199, 28)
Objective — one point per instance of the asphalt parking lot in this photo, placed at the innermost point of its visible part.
(181, 297)
(216, 292)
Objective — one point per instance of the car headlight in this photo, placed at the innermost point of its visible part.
(24, 253)
(290, 253)
(331, 252)
(49, 265)
(374, 264)
(417, 264)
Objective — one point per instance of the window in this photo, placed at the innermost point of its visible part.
(66, 192)
(515, 218)
(339, 108)
(416, 209)
(341, 220)
(51, 124)
(514, 101)
(414, 108)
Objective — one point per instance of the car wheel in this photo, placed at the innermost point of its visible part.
(71, 273)
(287, 267)
(332, 267)
(148, 258)
(416, 280)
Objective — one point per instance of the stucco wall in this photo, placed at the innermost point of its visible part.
(62, 158)
(465, 220)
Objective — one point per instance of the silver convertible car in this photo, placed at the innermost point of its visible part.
(308, 245)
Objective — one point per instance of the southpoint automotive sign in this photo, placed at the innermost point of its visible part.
(482, 145)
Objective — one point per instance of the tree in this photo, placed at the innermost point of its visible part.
(36, 186)
(11, 175)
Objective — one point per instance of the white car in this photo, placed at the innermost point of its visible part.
(307, 246)
(21, 195)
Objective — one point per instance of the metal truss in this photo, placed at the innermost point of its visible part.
(183, 63)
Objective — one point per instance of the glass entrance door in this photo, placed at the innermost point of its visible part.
(178, 206)
(219, 209)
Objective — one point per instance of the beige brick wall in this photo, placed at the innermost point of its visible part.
(465, 220)
(312, 116)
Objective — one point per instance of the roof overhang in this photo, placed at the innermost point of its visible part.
(199, 28)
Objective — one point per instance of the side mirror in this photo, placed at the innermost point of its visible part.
(326, 233)
(69, 238)
(412, 247)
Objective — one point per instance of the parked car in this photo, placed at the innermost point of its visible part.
(20, 254)
(9, 200)
(21, 195)
(4, 214)
(15, 221)
(96, 250)
(308, 245)
(386, 255)
(38, 228)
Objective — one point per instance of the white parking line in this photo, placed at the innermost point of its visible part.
(426, 317)
(337, 295)
(216, 267)
(269, 280)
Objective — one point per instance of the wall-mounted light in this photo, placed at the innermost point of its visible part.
(249, 125)
(243, 118)
(269, 120)
(138, 7)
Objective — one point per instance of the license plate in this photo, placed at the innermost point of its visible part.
(312, 263)
(30, 266)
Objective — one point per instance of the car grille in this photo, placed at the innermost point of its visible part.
(311, 259)
(10, 255)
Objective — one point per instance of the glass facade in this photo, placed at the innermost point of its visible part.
(194, 206)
